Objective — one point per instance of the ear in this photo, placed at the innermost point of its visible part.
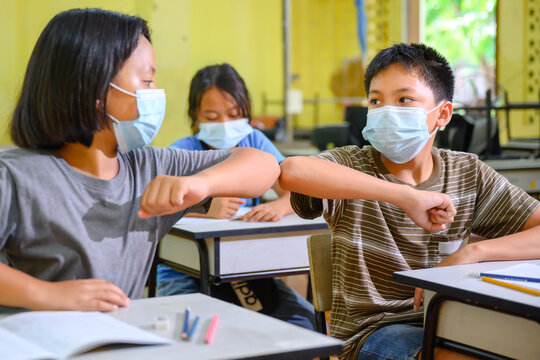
(445, 114)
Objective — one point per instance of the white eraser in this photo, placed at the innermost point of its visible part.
(161, 322)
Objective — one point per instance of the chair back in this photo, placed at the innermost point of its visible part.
(320, 265)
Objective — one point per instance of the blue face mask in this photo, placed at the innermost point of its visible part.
(133, 134)
(224, 135)
(399, 133)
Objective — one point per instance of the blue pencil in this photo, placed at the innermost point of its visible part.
(186, 325)
(505, 277)
(193, 326)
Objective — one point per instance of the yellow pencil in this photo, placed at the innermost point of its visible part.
(511, 286)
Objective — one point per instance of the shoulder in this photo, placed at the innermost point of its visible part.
(188, 143)
(255, 138)
(25, 158)
(457, 161)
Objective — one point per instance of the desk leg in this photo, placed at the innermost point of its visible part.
(430, 326)
(152, 282)
(203, 264)
(430, 330)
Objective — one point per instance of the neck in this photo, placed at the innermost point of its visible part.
(99, 160)
(416, 171)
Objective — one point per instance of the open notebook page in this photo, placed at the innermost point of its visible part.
(65, 333)
(15, 347)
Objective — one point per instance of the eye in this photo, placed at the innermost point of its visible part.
(405, 100)
(374, 101)
(148, 82)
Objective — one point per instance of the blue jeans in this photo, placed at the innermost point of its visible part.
(393, 342)
(291, 307)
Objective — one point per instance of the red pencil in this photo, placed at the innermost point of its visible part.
(211, 329)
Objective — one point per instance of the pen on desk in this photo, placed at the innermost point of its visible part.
(511, 286)
(186, 325)
(192, 328)
(211, 329)
(505, 277)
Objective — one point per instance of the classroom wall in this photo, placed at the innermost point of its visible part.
(325, 41)
(187, 35)
(518, 64)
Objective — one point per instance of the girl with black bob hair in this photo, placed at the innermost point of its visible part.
(220, 113)
(84, 200)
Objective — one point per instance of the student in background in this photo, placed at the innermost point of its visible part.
(84, 202)
(220, 113)
(410, 90)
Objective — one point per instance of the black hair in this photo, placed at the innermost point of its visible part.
(225, 78)
(63, 97)
(430, 66)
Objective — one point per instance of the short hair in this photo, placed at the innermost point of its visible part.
(63, 97)
(225, 78)
(429, 65)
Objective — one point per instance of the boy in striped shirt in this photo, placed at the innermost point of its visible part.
(410, 89)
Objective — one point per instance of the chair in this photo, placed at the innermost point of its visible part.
(320, 270)
(356, 117)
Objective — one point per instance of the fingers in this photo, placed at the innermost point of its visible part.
(164, 195)
(418, 298)
(441, 216)
(237, 201)
(104, 295)
(261, 213)
(83, 295)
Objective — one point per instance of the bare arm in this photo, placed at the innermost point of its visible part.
(522, 245)
(22, 290)
(246, 173)
(327, 180)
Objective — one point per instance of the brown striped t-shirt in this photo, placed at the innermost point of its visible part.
(371, 239)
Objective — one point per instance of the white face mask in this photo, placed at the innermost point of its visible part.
(133, 134)
(224, 135)
(399, 133)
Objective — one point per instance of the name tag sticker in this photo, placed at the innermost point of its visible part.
(449, 247)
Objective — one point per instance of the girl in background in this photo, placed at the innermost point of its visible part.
(220, 113)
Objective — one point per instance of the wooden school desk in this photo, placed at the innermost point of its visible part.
(226, 250)
(240, 334)
(467, 313)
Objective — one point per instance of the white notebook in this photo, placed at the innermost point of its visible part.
(60, 334)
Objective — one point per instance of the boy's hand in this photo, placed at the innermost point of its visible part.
(170, 194)
(429, 210)
(82, 295)
(265, 212)
(224, 207)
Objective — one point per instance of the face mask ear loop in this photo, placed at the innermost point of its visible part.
(122, 90)
(436, 128)
(113, 118)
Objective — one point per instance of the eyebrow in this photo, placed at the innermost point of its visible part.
(229, 109)
(397, 91)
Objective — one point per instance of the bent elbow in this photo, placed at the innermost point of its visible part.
(288, 177)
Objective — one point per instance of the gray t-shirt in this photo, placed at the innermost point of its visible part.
(58, 224)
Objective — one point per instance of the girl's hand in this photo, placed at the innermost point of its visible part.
(265, 212)
(224, 208)
(82, 295)
(170, 194)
